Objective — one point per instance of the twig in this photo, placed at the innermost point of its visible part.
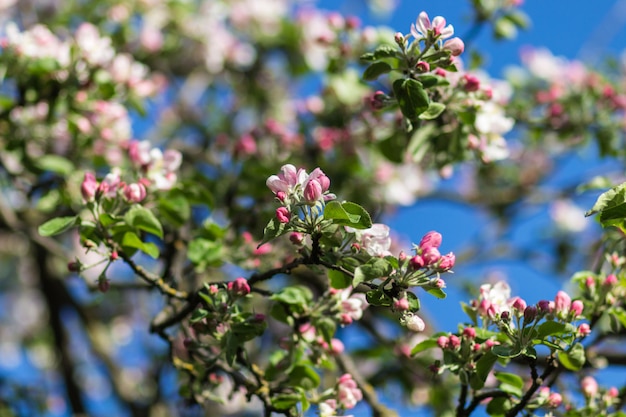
(153, 279)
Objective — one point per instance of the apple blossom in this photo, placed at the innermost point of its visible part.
(348, 393)
(423, 27)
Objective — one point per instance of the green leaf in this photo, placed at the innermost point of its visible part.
(204, 252)
(378, 298)
(373, 269)
(326, 326)
(574, 359)
(131, 240)
(375, 70)
(429, 80)
(437, 292)
(285, 401)
(338, 279)
(297, 297)
(143, 219)
(553, 328)
(273, 229)
(611, 205)
(411, 97)
(57, 225)
(55, 163)
(424, 345)
(175, 208)
(348, 214)
(433, 111)
(510, 383)
(498, 406)
(419, 144)
(483, 369)
(383, 51)
(506, 352)
(304, 376)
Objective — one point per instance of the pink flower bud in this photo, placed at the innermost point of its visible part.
(562, 303)
(402, 256)
(135, 193)
(472, 83)
(610, 280)
(89, 187)
(422, 66)
(519, 304)
(296, 238)
(114, 256)
(577, 308)
(239, 287)
(446, 262)
(401, 305)
(442, 342)
(74, 266)
(469, 332)
(399, 38)
(431, 256)
(417, 262)
(612, 392)
(489, 344)
(430, 240)
(554, 400)
(312, 191)
(530, 313)
(283, 215)
(590, 282)
(589, 386)
(583, 329)
(455, 46)
(336, 346)
(455, 341)
(544, 306)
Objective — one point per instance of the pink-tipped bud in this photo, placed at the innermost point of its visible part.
(446, 262)
(283, 215)
(402, 304)
(590, 282)
(336, 347)
(135, 193)
(296, 238)
(544, 306)
(455, 46)
(554, 400)
(422, 66)
(399, 38)
(562, 303)
(430, 240)
(530, 313)
(469, 332)
(89, 187)
(583, 329)
(312, 191)
(281, 195)
(612, 392)
(443, 341)
(74, 266)
(431, 256)
(505, 316)
(239, 287)
(519, 304)
(402, 256)
(455, 341)
(417, 262)
(589, 386)
(114, 256)
(610, 280)
(471, 83)
(577, 308)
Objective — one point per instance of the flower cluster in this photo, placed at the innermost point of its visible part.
(295, 188)
(156, 170)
